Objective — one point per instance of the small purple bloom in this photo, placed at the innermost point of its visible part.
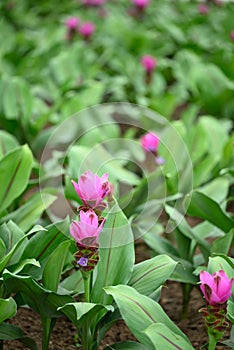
(160, 160)
(83, 261)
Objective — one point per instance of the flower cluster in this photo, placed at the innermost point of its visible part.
(92, 191)
(74, 26)
(150, 143)
(217, 289)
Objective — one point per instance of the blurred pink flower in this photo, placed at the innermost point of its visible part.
(203, 9)
(216, 288)
(150, 142)
(232, 35)
(93, 2)
(87, 230)
(149, 63)
(72, 23)
(92, 189)
(87, 29)
(142, 4)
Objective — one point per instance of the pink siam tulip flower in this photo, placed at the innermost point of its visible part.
(232, 35)
(92, 189)
(216, 288)
(141, 4)
(203, 9)
(87, 29)
(149, 63)
(87, 230)
(72, 23)
(150, 142)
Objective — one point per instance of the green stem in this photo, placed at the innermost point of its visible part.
(47, 326)
(87, 279)
(212, 342)
(187, 288)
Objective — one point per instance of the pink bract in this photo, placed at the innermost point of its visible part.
(92, 189)
(232, 35)
(149, 63)
(87, 29)
(141, 3)
(216, 288)
(203, 9)
(150, 142)
(93, 2)
(87, 230)
(72, 23)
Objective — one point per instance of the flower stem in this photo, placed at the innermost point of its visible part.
(86, 278)
(212, 342)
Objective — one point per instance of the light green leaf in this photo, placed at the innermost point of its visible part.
(163, 338)
(15, 169)
(116, 254)
(149, 275)
(126, 345)
(139, 312)
(8, 309)
(7, 143)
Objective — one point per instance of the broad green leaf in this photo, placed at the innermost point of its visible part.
(149, 275)
(23, 265)
(206, 208)
(12, 332)
(54, 266)
(126, 345)
(116, 254)
(43, 243)
(31, 211)
(139, 312)
(40, 299)
(2, 248)
(15, 169)
(163, 338)
(73, 283)
(82, 313)
(7, 143)
(230, 311)
(8, 309)
(222, 245)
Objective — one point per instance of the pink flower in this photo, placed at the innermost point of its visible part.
(72, 23)
(92, 189)
(216, 288)
(93, 2)
(203, 9)
(232, 35)
(87, 230)
(149, 63)
(142, 4)
(87, 29)
(150, 142)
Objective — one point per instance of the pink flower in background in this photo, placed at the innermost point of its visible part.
(216, 288)
(150, 142)
(87, 29)
(149, 63)
(72, 23)
(92, 189)
(203, 9)
(142, 4)
(232, 35)
(93, 2)
(87, 230)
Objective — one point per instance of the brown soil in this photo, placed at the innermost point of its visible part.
(171, 300)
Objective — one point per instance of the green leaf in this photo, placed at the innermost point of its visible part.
(149, 275)
(163, 338)
(15, 169)
(126, 345)
(8, 309)
(230, 311)
(222, 245)
(82, 314)
(7, 143)
(206, 208)
(31, 211)
(139, 312)
(73, 283)
(54, 266)
(41, 300)
(12, 332)
(116, 254)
